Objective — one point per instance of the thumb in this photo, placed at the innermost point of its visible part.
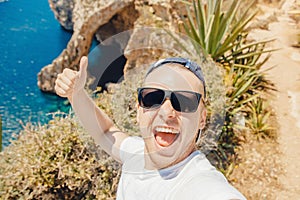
(83, 65)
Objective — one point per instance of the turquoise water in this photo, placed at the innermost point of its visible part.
(30, 38)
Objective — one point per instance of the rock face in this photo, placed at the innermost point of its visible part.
(105, 18)
(63, 11)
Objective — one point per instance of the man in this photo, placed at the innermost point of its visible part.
(164, 163)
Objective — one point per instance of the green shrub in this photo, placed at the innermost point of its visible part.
(56, 161)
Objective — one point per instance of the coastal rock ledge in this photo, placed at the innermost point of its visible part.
(106, 18)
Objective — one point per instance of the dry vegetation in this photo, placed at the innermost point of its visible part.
(257, 173)
(56, 161)
(258, 168)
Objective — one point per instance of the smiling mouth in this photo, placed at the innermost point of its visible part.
(165, 136)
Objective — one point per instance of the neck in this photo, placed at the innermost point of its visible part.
(156, 162)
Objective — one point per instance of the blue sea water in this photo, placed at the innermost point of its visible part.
(30, 38)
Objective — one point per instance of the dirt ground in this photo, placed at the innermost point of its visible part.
(270, 170)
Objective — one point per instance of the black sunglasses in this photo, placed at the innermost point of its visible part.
(182, 101)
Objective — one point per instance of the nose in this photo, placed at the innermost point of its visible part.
(167, 110)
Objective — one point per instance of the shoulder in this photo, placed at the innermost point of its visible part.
(205, 182)
(130, 147)
(213, 186)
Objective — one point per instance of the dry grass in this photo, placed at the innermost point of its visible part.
(258, 169)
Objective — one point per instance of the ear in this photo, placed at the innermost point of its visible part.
(137, 106)
(202, 120)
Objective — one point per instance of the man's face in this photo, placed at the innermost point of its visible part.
(169, 135)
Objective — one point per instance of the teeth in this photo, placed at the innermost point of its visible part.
(166, 130)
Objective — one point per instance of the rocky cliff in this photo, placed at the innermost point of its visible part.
(109, 19)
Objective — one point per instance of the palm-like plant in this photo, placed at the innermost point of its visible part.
(215, 30)
(258, 121)
(222, 35)
(244, 77)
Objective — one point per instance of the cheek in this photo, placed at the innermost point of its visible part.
(190, 125)
(145, 118)
(190, 130)
(191, 120)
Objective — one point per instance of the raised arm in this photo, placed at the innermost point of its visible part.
(71, 84)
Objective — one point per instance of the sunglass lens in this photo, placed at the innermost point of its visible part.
(150, 98)
(184, 101)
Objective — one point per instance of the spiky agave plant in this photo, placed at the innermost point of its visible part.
(221, 34)
(258, 122)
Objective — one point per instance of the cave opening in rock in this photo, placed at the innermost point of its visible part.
(106, 65)
(107, 60)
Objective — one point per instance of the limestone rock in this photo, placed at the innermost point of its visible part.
(63, 10)
(106, 18)
(88, 16)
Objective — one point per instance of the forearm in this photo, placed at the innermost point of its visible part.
(92, 118)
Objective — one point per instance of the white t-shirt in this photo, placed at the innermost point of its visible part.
(192, 178)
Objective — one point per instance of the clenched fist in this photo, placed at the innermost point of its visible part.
(69, 82)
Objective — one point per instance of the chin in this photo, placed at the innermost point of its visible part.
(162, 157)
